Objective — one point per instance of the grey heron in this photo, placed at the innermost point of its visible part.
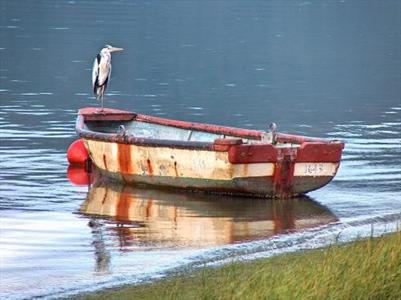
(102, 70)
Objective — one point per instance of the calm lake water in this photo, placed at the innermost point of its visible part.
(319, 68)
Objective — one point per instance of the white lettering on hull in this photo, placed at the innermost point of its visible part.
(315, 169)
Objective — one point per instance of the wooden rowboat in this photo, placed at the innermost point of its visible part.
(141, 149)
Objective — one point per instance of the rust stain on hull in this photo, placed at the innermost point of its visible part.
(104, 161)
(150, 168)
(124, 159)
(175, 169)
(284, 173)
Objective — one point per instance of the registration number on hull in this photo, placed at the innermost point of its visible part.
(315, 169)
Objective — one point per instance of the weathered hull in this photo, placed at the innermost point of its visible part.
(223, 166)
(205, 170)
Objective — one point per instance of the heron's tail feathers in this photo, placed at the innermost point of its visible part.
(98, 93)
(99, 90)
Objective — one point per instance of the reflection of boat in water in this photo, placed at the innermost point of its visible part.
(138, 217)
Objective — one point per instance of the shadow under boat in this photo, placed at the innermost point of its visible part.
(135, 218)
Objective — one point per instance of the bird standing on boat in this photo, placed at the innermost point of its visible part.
(102, 70)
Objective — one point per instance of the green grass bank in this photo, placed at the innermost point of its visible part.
(366, 269)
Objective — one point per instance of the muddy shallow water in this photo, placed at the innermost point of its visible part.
(327, 69)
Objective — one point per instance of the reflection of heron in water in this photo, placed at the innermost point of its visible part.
(101, 253)
(102, 70)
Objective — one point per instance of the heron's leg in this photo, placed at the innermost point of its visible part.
(101, 100)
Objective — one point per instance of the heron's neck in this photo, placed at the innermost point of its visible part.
(106, 55)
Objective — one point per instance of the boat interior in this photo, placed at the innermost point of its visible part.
(163, 132)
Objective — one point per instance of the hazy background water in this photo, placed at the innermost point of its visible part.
(320, 68)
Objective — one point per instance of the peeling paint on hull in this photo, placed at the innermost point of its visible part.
(171, 162)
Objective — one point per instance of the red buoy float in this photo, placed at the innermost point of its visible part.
(77, 154)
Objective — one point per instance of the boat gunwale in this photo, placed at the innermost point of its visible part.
(120, 115)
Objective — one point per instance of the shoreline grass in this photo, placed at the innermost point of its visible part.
(365, 269)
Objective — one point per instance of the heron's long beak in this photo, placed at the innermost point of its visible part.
(115, 49)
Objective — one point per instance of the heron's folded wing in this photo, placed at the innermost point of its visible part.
(95, 71)
(104, 72)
